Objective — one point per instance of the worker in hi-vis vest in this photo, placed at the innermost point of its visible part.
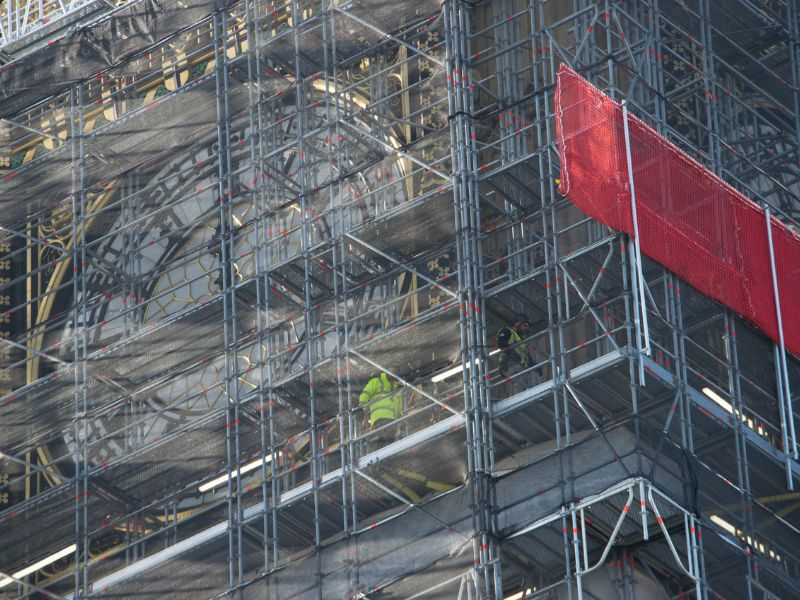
(514, 356)
(383, 400)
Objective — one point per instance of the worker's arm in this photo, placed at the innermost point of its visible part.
(369, 391)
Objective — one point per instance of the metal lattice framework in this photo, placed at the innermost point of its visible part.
(29, 24)
(218, 227)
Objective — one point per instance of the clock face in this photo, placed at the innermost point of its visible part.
(158, 259)
(170, 256)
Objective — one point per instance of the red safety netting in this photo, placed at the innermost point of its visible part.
(690, 220)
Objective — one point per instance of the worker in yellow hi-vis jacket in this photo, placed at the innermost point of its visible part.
(383, 400)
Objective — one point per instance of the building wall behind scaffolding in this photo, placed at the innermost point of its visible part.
(221, 221)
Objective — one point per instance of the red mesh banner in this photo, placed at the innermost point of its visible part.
(690, 220)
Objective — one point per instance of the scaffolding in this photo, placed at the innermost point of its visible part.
(221, 220)
(30, 24)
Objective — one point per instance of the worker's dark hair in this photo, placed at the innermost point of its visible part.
(520, 318)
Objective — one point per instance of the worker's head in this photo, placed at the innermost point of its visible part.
(393, 381)
(521, 324)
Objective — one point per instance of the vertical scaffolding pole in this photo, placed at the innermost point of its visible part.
(80, 343)
(81, 268)
(77, 462)
(642, 324)
(577, 551)
(347, 446)
(783, 371)
(734, 389)
(256, 125)
(350, 428)
(268, 185)
(710, 86)
(458, 16)
(308, 310)
(794, 61)
(225, 200)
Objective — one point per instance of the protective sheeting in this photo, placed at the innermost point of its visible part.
(412, 539)
(689, 219)
(86, 51)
